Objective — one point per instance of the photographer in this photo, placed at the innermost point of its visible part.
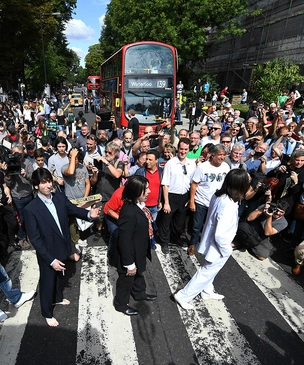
(20, 186)
(265, 221)
(291, 177)
(253, 158)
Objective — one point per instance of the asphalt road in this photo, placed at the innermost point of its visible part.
(260, 321)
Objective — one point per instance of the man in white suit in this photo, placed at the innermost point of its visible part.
(219, 231)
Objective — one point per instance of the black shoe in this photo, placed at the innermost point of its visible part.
(97, 236)
(180, 243)
(130, 312)
(15, 246)
(148, 297)
(165, 249)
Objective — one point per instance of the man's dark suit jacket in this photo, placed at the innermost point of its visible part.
(134, 240)
(43, 231)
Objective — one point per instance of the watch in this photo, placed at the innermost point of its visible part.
(107, 164)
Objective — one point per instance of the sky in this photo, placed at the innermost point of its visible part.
(84, 29)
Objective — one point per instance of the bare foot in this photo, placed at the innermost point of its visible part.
(52, 322)
(75, 257)
(64, 302)
(191, 250)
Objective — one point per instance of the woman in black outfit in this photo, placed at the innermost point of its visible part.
(135, 232)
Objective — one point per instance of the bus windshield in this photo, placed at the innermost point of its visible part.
(149, 107)
(149, 58)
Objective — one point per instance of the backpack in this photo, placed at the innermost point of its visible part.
(71, 118)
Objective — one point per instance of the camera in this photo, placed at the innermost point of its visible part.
(288, 171)
(264, 187)
(272, 208)
(13, 161)
(24, 132)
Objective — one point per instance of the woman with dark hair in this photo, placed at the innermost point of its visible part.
(219, 231)
(135, 233)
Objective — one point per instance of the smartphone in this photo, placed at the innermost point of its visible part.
(259, 154)
(153, 136)
(295, 137)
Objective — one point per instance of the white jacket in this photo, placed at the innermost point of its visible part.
(220, 228)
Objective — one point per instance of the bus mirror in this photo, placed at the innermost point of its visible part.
(117, 103)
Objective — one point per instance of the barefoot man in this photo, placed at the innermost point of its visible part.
(47, 226)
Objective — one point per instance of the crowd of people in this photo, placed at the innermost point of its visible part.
(162, 187)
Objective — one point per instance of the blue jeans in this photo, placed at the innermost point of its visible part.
(20, 204)
(198, 222)
(114, 231)
(12, 295)
(154, 211)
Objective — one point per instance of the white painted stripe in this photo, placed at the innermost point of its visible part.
(214, 335)
(104, 335)
(281, 290)
(24, 273)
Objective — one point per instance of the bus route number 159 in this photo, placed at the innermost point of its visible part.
(161, 84)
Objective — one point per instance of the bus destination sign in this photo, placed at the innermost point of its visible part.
(147, 83)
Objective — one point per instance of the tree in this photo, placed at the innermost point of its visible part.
(270, 79)
(185, 24)
(21, 39)
(94, 59)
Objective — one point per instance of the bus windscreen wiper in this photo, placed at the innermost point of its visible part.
(131, 92)
(149, 92)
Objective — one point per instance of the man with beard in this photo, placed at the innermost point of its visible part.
(91, 151)
(215, 134)
(106, 176)
(127, 143)
(208, 177)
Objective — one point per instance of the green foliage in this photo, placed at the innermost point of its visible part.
(270, 79)
(242, 108)
(21, 49)
(94, 59)
(183, 24)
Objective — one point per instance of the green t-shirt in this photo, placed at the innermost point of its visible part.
(194, 154)
(282, 99)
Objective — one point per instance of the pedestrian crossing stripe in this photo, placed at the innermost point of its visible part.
(280, 289)
(106, 336)
(214, 335)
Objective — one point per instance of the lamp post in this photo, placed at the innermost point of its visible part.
(43, 51)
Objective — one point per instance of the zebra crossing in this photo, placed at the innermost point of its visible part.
(260, 321)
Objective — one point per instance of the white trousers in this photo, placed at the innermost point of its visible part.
(202, 280)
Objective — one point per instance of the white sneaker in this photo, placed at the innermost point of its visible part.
(3, 316)
(215, 296)
(24, 298)
(184, 305)
(82, 243)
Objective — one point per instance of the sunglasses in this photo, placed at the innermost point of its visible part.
(108, 153)
(214, 129)
(184, 170)
(226, 141)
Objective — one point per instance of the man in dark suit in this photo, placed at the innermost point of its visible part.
(47, 224)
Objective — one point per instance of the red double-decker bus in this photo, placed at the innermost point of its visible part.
(140, 76)
(93, 86)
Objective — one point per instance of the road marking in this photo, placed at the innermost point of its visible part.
(24, 273)
(283, 292)
(214, 334)
(104, 335)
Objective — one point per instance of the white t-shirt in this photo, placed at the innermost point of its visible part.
(176, 177)
(209, 179)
